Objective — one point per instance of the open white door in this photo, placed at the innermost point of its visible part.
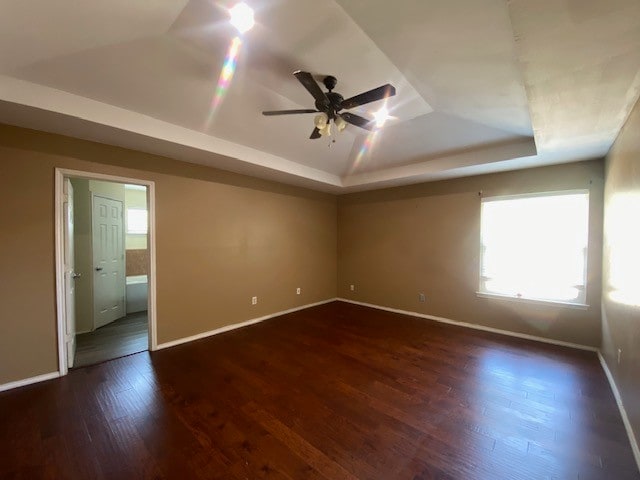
(108, 261)
(69, 274)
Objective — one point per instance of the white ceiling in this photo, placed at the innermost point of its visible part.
(483, 85)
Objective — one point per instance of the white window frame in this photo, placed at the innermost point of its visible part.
(582, 304)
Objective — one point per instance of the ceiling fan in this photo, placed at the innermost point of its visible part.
(330, 103)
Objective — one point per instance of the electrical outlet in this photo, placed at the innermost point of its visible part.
(352, 287)
(254, 300)
(422, 297)
(298, 290)
(619, 355)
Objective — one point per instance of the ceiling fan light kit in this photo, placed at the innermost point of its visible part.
(330, 104)
(322, 124)
(321, 120)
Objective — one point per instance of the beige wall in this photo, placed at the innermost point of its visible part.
(241, 237)
(244, 236)
(135, 199)
(621, 272)
(395, 243)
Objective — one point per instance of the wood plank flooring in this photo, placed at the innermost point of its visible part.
(123, 337)
(333, 392)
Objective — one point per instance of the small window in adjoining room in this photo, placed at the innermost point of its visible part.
(137, 221)
(534, 246)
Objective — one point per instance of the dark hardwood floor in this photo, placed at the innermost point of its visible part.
(123, 337)
(333, 392)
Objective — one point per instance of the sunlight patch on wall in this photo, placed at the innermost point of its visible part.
(622, 226)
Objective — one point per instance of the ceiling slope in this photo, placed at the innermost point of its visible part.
(581, 61)
(482, 86)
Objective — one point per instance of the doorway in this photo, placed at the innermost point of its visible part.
(105, 267)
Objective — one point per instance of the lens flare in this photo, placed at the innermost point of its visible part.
(365, 148)
(381, 116)
(226, 75)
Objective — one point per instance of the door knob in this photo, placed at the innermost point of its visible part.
(98, 269)
(76, 275)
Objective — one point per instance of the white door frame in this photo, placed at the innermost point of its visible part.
(60, 175)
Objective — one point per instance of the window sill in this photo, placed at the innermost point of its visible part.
(578, 306)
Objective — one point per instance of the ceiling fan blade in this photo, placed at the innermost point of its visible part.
(358, 121)
(308, 82)
(271, 113)
(315, 134)
(379, 93)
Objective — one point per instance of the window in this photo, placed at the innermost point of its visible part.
(535, 246)
(137, 221)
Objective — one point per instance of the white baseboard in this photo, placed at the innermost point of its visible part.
(474, 326)
(28, 381)
(235, 326)
(605, 367)
(623, 412)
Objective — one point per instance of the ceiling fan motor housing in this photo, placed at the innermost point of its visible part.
(335, 99)
(330, 82)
